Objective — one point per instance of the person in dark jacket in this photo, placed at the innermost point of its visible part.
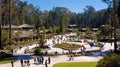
(49, 60)
(21, 61)
(12, 63)
(46, 63)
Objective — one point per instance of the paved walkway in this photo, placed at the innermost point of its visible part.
(55, 60)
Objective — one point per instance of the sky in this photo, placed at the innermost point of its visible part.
(73, 5)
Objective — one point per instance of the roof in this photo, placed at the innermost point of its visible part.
(83, 28)
(71, 29)
(94, 28)
(12, 26)
(4, 51)
(72, 25)
(15, 26)
(25, 26)
(24, 35)
(41, 31)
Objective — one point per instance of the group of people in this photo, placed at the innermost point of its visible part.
(40, 60)
(83, 48)
(37, 59)
(71, 58)
(59, 39)
(25, 63)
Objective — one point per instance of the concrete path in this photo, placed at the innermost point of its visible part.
(55, 60)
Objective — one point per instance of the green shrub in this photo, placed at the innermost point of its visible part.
(37, 51)
(4, 55)
(112, 60)
(41, 43)
(10, 48)
(67, 46)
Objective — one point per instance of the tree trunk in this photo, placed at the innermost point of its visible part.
(114, 19)
(0, 23)
(10, 20)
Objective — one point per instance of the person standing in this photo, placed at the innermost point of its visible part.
(34, 59)
(42, 59)
(12, 63)
(21, 61)
(28, 63)
(25, 62)
(49, 60)
(46, 63)
(38, 59)
(72, 57)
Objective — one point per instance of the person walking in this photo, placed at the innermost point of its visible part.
(42, 59)
(46, 63)
(72, 57)
(12, 63)
(21, 61)
(25, 62)
(38, 59)
(28, 63)
(34, 59)
(49, 60)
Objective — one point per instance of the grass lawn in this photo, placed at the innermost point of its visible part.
(76, 64)
(5, 60)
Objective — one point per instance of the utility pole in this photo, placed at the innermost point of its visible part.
(114, 22)
(10, 20)
(0, 23)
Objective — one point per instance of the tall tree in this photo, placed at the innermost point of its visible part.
(0, 23)
(62, 24)
(5, 39)
(118, 11)
(114, 18)
(10, 20)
